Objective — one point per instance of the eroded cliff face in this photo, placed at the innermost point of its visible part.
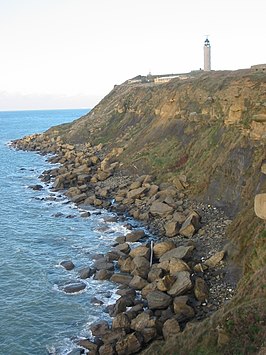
(211, 128)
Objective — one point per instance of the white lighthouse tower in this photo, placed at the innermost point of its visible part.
(207, 55)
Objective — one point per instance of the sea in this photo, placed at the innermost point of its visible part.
(39, 229)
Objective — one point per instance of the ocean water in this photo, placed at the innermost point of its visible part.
(36, 316)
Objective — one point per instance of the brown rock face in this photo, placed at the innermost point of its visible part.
(161, 248)
(181, 285)
(178, 253)
(160, 209)
(129, 345)
(191, 225)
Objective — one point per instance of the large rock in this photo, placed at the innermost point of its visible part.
(215, 259)
(181, 285)
(126, 264)
(158, 300)
(121, 321)
(67, 264)
(86, 272)
(177, 265)
(181, 252)
(160, 209)
(191, 225)
(135, 236)
(182, 310)
(142, 321)
(170, 328)
(138, 283)
(99, 328)
(171, 229)
(74, 287)
(201, 290)
(165, 283)
(149, 288)
(102, 264)
(129, 345)
(260, 206)
(140, 251)
(121, 278)
(136, 193)
(161, 248)
(154, 274)
(79, 198)
(87, 344)
(141, 267)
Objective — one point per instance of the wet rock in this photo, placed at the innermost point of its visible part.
(215, 259)
(103, 274)
(138, 282)
(120, 239)
(158, 300)
(107, 349)
(201, 290)
(191, 225)
(99, 328)
(181, 285)
(128, 292)
(135, 236)
(129, 345)
(124, 248)
(95, 300)
(121, 278)
(67, 264)
(102, 264)
(181, 252)
(36, 187)
(87, 344)
(170, 328)
(85, 214)
(74, 287)
(86, 272)
(161, 248)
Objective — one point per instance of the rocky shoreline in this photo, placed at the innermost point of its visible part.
(165, 284)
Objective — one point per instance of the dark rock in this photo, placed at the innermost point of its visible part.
(170, 328)
(86, 272)
(158, 300)
(181, 285)
(142, 321)
(103, 274)
(138, 282)
(121, 278)
(201, 290)
(67, 264)
(107, 349)
(99, 328)
(135, 236)
(102, 264)
(36, 187)
(182, 310)
(95, 300)
(121, 321)
(74, 287)
(87, 344)
(129, 345)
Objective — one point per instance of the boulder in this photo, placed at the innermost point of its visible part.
(124, 248)
(86, 272)
(160, 209)
(138, 282)
(260, 205)
(141, 267)
(136, 193)
(103, 274)
(121, 321)
(154, 274)
(181, 309)
(201, 290)
(130, 344)
(165, 283)
(102, 264)
(111, 336)
(171, 229)
(170, 328)
(181, 252)
(140, 251)
(67, 264)
(135, 236)
(149, 334)
(135, 185)
(121, 278)
(36, 187)
(87, 344)
(263, 168)
(74, 287)
(177, 265)
(215, 259)
(125, 265)
(142, 321)
(158, 300)
(79, 198)
(99, 328)
(161, 248)
(147, 289)
(107, 349)
(191, 225)
(181, 285)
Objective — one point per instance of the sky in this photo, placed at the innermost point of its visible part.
(70, 53)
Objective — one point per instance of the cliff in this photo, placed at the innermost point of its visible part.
(211, 131)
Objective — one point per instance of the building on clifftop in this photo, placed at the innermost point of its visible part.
(207, 55)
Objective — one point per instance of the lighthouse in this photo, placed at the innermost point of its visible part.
(207, 55)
